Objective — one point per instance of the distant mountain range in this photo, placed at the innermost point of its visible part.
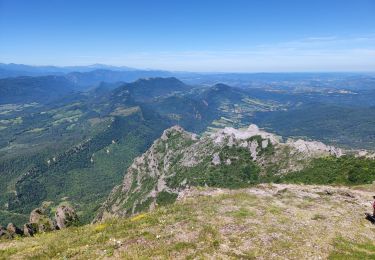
(87, 76)
(83, 77)
(12, 69)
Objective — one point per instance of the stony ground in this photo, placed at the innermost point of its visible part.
(275, 221)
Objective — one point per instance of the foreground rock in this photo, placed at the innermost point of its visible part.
(39, 218)
(4, 233)
(30, 229)
(39, 222)
(65, 216)
(13, 230)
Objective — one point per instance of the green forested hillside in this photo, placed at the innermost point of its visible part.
(73, 150)
(33, 89)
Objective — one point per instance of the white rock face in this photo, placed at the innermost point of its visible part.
(253, 149)
(238, 137)
(244, 144)
(264, 143)
(314, 147)
(362, 153)
(231, 136)
(366, 154)
(216, 159)
(239, 134)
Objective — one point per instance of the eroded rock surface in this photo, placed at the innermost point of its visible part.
(41, 220)
(13, 230)
(310, 148)
(65, 216)
(30, 229)
(4, 233)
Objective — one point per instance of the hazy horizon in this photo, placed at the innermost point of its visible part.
(108, 67)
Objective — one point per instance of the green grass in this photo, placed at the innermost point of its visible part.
(243, 213)
(318, 217)
(346, 170)
(345, 249)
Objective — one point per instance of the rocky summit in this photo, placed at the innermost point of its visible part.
(228, 158)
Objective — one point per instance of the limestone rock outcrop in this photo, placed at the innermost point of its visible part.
(30, 229)
(179, 159)
(4, 233)
(310, 148)
(65, 216)
(41, 220)
(13, 230)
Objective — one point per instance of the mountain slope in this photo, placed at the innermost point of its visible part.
(228, 158)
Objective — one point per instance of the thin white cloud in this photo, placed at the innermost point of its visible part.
(328, 53)
(314, 53)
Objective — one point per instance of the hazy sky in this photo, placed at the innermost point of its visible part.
(201, 35)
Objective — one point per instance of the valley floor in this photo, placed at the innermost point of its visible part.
(270, 221)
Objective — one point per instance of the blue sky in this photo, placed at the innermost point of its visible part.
(204, 35)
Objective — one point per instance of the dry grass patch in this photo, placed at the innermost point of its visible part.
(268, 222)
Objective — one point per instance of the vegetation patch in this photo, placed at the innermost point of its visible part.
(143, 206)
(122, 111)
(165, 198)
(346, 170)
(243, 213)
(345, 249)
(241, 172)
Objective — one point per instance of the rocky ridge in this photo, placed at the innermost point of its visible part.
(228, 158)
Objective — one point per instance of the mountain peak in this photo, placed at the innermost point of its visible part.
(243, 134)
(177, 130)
(153, 80)
(221, 86)
(146, 89)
